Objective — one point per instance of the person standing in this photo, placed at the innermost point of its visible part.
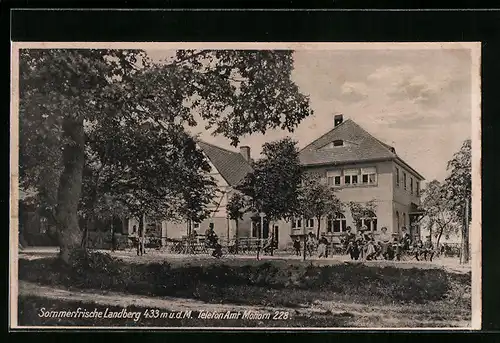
(211, 236)
(296, 246)
(385, 241)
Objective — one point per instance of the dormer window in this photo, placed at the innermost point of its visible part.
(338, 142)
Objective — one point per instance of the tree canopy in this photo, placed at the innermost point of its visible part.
(318, 199)
(74, 101)
(274, 184)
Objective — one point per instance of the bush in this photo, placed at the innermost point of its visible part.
(248, 283)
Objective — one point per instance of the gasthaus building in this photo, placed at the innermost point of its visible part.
(349, 158)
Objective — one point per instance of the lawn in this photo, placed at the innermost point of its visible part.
(346, 294)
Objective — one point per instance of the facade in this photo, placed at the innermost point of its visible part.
(362, 169)
(228, 168)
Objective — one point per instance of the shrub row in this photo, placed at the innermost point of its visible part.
(101, 271)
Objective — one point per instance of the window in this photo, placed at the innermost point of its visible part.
(309, 223)
(369, 176)
(397, 220)
(404, 219)
(418, 187)
(347, 179)
(370, 222)
(336, 223)
(397, 177)
(296, 223)
(351, 176)
(404, 180)
(333, 177)
(354, 179)
(338, 143)
(411, 185)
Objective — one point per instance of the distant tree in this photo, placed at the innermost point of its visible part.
(458, 192)
(318, 200)
(437, 211)
(360, 211)
(274, 184)
(235, 92)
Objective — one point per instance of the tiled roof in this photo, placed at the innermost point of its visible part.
(230, 164)
(359, 146)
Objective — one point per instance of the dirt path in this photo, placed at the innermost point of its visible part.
(124, 300)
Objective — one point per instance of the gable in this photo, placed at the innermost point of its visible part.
(357, 145)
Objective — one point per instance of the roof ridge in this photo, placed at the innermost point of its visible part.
(326, 133)
(218, 147)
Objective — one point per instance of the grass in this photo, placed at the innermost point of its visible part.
(265, 283)
(354, 295)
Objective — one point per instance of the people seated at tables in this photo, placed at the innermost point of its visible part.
(310, 243)
(217, 253)
(418, 248)
(348, 237)
(370, 247)
(428, 249)
(353, 249)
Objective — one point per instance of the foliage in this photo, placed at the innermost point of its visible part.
(437, 211)
(458, 184)
(458, 192)
(70, 98)
(318, 199)
(270, 283)
(237, 206)
(275, 181)
(361, 211)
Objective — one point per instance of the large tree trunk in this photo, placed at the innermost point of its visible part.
(70, 188)
(439, 237)
(319, 227)
(140, 235)
(465, 236)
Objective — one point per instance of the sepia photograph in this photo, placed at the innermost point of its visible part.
(245, 186)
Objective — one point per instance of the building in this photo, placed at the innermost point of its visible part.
(362, 168)
(228, 168)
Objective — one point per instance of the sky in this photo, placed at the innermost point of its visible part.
(418, 101)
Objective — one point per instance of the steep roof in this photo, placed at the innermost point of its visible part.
(230, 164)
(360, 146)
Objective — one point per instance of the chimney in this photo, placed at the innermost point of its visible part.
(245, 152)
(337, 120)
